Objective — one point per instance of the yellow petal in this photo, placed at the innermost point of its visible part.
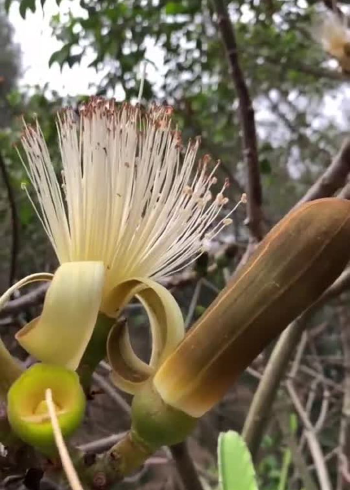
(167, 328)
(10, 370)
(60, 335)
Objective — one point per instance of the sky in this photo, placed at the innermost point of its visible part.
(34, 35)
(37, 44)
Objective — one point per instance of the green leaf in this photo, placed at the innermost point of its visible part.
(61, 56)
(265, 166)
(173, 8)
(236, 470)
(7, 5)
(293, 423)
(25, 5)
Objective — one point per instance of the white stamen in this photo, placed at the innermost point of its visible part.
(128, 196)
(142, 84)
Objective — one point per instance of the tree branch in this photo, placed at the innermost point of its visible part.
(247, 117)
(26, 301)
(344, 433)
(314, 445)
(14, 219)
(185, 467)
(333, 178)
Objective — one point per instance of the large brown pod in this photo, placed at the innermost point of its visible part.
(293, 265)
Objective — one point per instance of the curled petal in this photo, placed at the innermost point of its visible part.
(10, 370)
(63, 330)
(167, 328)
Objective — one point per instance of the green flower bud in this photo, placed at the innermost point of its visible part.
(28, 412)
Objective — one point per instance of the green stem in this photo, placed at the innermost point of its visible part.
(96, 349)
(154, 424)
(287, 459)
(106, 470)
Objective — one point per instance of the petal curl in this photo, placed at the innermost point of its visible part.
(167, 329)
(61, 333)
(10, 369)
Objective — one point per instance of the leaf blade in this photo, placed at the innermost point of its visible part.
(236, 470)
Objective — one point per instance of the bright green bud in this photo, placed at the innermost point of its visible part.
(155, 423)
(27, 409)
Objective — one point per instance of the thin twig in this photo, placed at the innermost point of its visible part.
(111, 392)
(101, 445)
(185, 467)
(343, 483)
(297, 456)
(193, 303)
(333, 178)
(314, 445)
(28, 300)
(14, 220)
(250, 147)
(260, 408)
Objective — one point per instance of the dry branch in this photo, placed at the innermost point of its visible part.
(334, 177)
(250, 148)
(14, 219)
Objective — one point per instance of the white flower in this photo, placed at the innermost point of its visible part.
(333, 33)
(129, 206)
(128, 197)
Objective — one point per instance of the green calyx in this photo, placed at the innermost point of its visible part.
(157, 424)
(27, 409)
(96, 349)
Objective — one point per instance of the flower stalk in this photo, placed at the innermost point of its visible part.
(96, 350)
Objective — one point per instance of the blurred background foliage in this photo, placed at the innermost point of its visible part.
(296, 89)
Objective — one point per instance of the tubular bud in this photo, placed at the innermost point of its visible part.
(291, 268)
(28, 412)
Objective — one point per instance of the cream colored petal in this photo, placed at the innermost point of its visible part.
(10, 370)
(167, 328)
(61, 333)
